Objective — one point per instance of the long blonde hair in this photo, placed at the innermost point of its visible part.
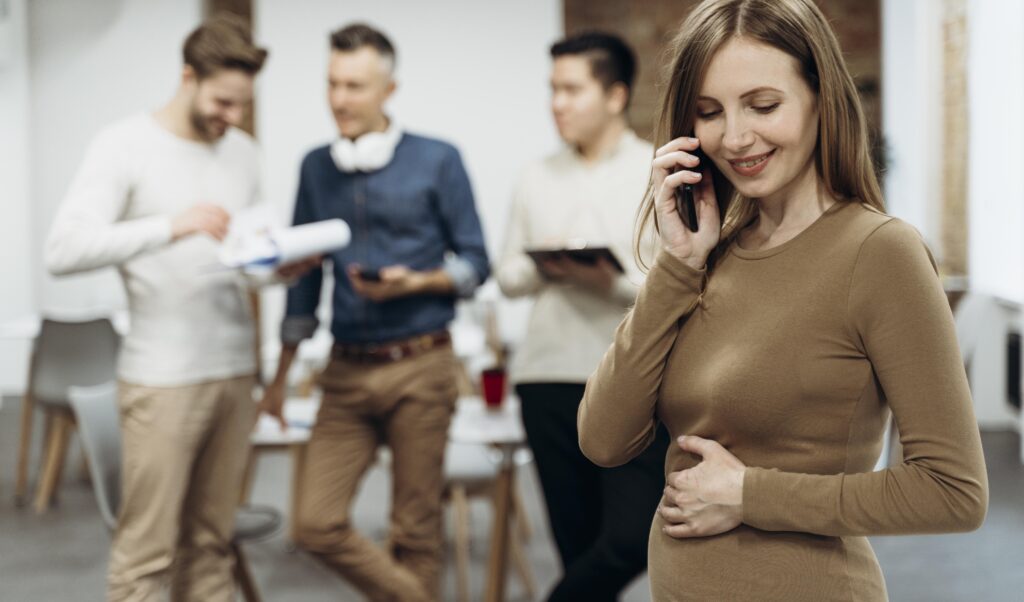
(797, 27)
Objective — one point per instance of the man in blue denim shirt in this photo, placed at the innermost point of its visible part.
(416, 246)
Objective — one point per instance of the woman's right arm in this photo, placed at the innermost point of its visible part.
(616, 419)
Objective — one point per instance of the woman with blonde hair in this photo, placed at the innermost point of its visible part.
(774, 337)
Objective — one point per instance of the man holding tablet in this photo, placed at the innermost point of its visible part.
(577, 201)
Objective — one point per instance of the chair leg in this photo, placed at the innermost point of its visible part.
(244, 576)
(298, 470)
(56, 449)
(70, 428)
(24, 447)
(83, 467)
(497, 562)
(247, 477)
(305, 386)
(519, 513)
(525, 532)
(522, 567)
(460, 505)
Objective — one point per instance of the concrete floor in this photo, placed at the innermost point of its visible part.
(62, 555)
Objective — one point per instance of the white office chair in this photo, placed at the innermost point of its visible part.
(983, 324)
(64, 354)
(470, 470)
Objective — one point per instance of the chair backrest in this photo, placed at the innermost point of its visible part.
(95, 409)
(984, 324)
(68, 354)
(970, 316)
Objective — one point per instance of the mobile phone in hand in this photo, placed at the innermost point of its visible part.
(686, 204)
(369, 274)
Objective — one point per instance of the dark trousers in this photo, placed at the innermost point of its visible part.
(599, 517)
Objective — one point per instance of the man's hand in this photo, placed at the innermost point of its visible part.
(273, 402)
(295, 270)
(599, 277)
(201, 218)
(395, 281)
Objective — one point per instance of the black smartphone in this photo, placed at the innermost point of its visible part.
(686, 204)
(369, 274)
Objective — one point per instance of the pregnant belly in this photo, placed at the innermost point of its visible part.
(749, 564)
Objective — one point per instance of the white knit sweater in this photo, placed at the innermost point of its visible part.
(189, 323)
(559, 199)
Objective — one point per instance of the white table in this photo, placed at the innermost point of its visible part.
(502, 429)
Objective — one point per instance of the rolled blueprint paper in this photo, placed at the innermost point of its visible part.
(318, 238)
(266, 248)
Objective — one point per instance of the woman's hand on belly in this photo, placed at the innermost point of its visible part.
(706, 499)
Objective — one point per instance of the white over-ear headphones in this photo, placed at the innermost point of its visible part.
(369, 152)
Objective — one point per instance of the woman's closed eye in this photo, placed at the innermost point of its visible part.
(765, 109)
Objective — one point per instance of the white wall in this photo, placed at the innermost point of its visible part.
(474, 73)
(92, 63)
(912, 113)
(67, 68)
(913, 122)
(15, 199)
(995, 88)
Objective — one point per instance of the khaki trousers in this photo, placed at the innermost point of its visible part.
(406, 405)
(184, 454)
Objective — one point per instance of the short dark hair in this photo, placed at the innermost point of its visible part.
(223, 41)
(356, 36)
(612, 61)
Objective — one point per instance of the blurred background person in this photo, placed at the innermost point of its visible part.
(417, 246)
(588, 191)
(153, 196)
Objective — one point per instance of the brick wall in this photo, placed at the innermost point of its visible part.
(648, 25)
(955, 142)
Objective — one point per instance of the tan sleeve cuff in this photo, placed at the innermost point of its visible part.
(755, 497)
(668, 268)
(774, 500)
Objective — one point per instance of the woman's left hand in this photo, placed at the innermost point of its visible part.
(706, 499)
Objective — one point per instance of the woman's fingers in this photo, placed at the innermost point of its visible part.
(681, 482)
(681, 531)
(671, 514)
(681, 143)
(675, 159)
(683, 176)
(698, 445)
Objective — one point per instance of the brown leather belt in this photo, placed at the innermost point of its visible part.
(391, 351)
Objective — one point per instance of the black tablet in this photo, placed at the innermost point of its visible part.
(587, 255)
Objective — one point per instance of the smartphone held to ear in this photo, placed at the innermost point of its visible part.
(686, 203)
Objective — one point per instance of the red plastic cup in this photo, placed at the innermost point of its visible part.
(492, 383)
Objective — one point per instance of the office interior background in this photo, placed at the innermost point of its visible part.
(942, 81)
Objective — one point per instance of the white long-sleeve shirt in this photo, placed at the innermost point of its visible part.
(189, 322)
(557, 200)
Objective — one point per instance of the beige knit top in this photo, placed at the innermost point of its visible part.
(791, 358)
